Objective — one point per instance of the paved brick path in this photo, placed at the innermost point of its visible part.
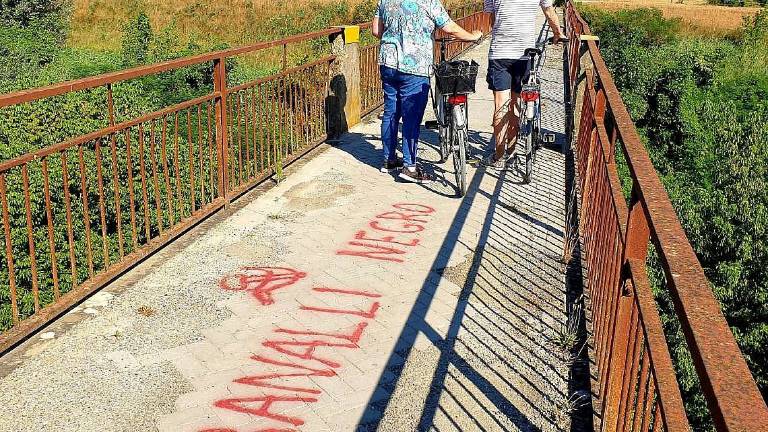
(339, 300)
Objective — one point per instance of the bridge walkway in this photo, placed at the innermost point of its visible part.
(340, 299)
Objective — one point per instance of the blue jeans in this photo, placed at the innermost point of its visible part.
(405, 96)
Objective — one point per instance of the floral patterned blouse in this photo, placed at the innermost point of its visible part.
(406, 44)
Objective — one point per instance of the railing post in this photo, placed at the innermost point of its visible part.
(612, 388)
(638, 231)
(635, 248)
(344, 99)
(222, 150)
(597, 112)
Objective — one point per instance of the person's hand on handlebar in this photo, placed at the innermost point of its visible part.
(558, 35)
(557, 38)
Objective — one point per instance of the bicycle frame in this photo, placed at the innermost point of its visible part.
(529, 109)
(443, 106)
(451, 114)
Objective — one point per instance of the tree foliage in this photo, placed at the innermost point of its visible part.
(53, 14)
(137, 38)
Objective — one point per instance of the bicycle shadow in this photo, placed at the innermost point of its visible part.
(366, 149)
(444, 173)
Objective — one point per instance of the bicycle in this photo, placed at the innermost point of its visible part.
(529, 106)
(454, 80)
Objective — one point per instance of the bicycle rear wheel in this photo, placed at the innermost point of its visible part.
(459, 145)
(529, 153)
(445, 141)
(439, 106)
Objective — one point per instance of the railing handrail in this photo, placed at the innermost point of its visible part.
(29, 95)
(54, 148)
(732, 395)
(57, 89)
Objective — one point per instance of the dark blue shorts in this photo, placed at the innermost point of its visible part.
(506, 74)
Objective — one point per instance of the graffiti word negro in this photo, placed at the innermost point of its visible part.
(389, 234)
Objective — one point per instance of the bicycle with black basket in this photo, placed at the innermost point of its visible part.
(454, 81)
(529, 133)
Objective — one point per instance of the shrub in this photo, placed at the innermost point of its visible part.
(137, 37)
(364, 11)
(24, 51)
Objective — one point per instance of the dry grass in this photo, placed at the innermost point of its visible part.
(98, 23)
(697, 17)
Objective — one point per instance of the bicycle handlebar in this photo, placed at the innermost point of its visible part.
(551, 41)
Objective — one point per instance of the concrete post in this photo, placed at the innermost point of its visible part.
(343, 104)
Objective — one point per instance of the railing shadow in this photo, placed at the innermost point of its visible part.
(496, 364)
(511, 285)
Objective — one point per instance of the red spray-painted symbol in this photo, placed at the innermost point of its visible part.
(261, 281)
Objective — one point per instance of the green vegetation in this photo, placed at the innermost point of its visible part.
(25, 13)
(34, 32)
(34, 53)
(701, 107)
(97, 24)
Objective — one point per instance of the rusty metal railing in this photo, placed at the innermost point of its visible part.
(637, 387)
(272, 121)
(371, 93)
(79, 212)
(471, 17)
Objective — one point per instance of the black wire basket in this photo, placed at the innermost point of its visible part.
(456, 77)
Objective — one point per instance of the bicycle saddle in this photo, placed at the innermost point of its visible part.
(532, 52)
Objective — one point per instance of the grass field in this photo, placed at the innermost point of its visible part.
(98, 24)
(698, 17)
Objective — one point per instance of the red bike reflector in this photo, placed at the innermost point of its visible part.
(457, 99)
(529, 96)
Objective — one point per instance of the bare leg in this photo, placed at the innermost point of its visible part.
(514, 124)
(505, 122)
(501, 121)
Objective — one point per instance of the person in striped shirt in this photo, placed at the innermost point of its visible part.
(514, 30)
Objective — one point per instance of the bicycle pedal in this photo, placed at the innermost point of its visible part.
(432, 124)
(548, 138)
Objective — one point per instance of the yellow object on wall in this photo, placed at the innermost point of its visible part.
(351, 34)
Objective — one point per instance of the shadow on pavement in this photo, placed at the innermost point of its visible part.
(486, 350)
